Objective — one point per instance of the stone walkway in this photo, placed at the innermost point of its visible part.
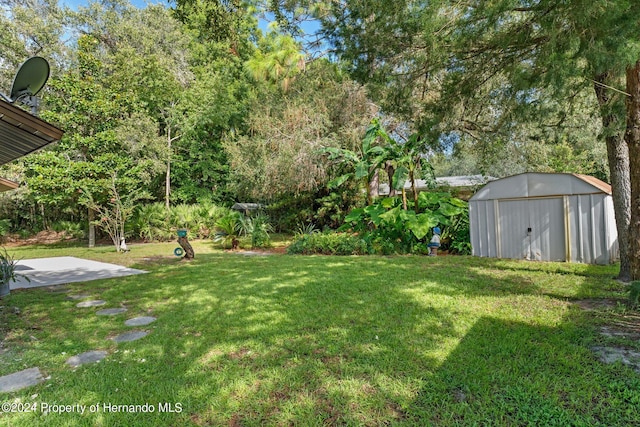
(32, 376)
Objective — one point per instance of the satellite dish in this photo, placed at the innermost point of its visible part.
(29, 80)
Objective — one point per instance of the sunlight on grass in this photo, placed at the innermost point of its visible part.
(282, 340)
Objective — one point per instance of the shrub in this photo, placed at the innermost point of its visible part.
(634, 294)
(258, 227)
(72, 229)
(151, 222)
(5, 227)
(329, 243)
(391, 229)
(228, 229)
(7, 272)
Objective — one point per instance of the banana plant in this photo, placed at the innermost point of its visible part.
(364, 164)
(409, 164)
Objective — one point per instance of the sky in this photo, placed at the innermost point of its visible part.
(263, 24)
(74, 4)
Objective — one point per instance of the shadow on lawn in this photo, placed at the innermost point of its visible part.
(281, 340)
(285, 343)
(514, 373)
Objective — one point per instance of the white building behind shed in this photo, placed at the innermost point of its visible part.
(545, 217)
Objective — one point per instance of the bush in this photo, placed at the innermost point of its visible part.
(258, 227)
(153, 222)
(634, 294)
(72, 229)
(392, 230)
(329, 243)
(5, 227)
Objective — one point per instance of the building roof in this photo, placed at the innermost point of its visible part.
(6, 185)
(463, 181)
(22, 133)
(541, 185)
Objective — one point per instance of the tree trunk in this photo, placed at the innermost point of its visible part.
(188, 250)
(167, 181)
(374, 187)
(632, 137)
(414, 188)
(390, 172)
(92, 228)
(618, 158)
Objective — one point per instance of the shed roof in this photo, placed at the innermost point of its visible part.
(22, 133)
(541, 185)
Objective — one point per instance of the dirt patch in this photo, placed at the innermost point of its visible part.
(622, 326)
(598, 304)
(42, 238)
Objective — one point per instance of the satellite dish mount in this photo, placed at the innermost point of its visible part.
(29, 80)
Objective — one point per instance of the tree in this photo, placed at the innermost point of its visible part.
(280, 152)
(362, 165)
(113, 214)
(489, 60)
(278, 59)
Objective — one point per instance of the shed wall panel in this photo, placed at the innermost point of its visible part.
(546, 219)
(482, 227)
(513, 224)
(577, 226)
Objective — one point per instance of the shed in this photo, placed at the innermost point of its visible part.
(545, 217)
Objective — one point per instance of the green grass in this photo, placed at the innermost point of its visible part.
(293, 340)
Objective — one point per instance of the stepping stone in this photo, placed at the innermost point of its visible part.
(87, 357)
(20, 380)
(627, 357)
(140, 321)
(75, 297)
(254, 253)
(130, 336)
(92, 303)
(111, 311)
(57, 289)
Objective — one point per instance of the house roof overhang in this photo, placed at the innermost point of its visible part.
(6, 185)
(22, 133)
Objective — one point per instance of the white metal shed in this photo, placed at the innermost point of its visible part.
(545, 217)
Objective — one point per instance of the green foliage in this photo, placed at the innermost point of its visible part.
(289, 211)
(391, 229)
(329, 243)
(7, 270)
(634, 294)
(5, 227)
(303, 229)
(258, 228)
(228, 229)
(72, 229)
(151, 222)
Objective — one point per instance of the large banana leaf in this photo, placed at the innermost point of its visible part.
(420, 224)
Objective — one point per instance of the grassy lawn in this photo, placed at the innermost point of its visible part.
(293, 340)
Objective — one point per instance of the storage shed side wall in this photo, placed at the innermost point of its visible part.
(482, 228)
(591, 237)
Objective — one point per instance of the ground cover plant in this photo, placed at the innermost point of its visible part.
(316, 340)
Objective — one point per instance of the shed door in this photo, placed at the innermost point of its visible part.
(532, 229)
